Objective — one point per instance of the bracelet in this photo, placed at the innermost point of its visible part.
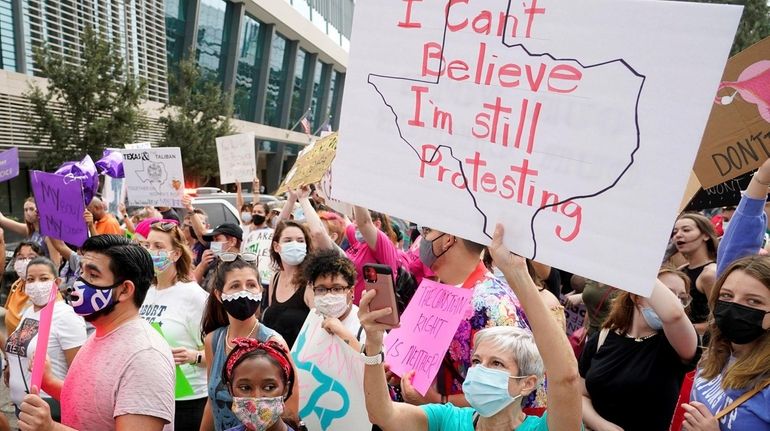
(756, 178)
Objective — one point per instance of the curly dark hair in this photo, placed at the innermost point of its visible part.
(329, 262)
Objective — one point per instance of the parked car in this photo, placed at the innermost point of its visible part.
(221, 206)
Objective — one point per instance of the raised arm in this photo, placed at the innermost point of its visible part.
(238, 196)
(62, 248)
(14, 226)
(564, 400)
(195, 219)
(126, 219)
(746, 231)
(255, 191)
(381, 409)
(288, 207)
(680, 333)
(366, 226)
(321, 238)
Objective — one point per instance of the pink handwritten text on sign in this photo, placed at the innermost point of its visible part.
(427, 327)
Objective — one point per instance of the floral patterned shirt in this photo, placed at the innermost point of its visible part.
(493, 304)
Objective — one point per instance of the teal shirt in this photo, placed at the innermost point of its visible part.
(446, 417)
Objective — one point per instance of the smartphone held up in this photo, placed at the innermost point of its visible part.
(380, 278)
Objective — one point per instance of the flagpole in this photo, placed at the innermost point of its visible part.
(328, 117)
(300, 119)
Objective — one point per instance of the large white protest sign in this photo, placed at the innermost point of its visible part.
(237, 156)
(154, 177)
(331, 380)
(575, 123)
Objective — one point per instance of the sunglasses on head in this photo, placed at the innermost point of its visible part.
(228, 256)
(164, 226)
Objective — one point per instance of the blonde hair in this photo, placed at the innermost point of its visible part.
(183, 265)
(750, 369)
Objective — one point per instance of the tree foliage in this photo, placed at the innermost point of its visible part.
(754, 25)
(197, 114)
(86, 107)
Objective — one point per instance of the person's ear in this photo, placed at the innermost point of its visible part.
(127, 291)
(218, 295)
(276, 247)
(529, 385)
(334, 237)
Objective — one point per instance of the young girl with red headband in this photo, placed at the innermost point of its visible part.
(259, 377)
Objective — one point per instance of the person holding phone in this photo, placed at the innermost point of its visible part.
(457, 261)
(507, 365)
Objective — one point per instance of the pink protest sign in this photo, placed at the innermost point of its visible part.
(46, 315)
(427, 327)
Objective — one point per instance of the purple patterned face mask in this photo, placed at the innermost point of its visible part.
(258, 414)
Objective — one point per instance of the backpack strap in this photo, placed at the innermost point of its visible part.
(742, 399)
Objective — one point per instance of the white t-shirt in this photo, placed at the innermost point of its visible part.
(179, 310)
(352, 324)
(68, 330)
(259, 241)
(129, 371)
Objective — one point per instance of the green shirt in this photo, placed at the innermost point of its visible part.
(446, 417)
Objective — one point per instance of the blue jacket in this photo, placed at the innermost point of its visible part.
(745, 233)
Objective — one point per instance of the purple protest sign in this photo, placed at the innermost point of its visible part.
(60, 204)
(427, 327)
(9, 164)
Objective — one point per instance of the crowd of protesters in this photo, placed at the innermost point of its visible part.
(162, 321)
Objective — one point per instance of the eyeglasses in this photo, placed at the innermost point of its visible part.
(336, 289)
(228, 256)
(424, 230)
(686, 300)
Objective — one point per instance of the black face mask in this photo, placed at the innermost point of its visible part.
(241, 308)
(257, 219)
(738, 323)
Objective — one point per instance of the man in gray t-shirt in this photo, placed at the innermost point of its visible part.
(123, 377)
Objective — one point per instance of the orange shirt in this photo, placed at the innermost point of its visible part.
(108, 225)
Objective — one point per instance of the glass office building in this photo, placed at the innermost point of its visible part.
(279, 59)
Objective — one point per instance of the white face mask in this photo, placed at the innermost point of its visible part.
(39, 292)
(20, 266)
(331, 305)
(216, 247)
(293, 253)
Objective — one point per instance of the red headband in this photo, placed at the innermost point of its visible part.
(243, 346)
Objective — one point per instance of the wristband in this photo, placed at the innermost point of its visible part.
(377, 359)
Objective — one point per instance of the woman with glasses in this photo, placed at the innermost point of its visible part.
(236, 294)
(632, 370)
(331, 278)
(286, 304)
(174, 306)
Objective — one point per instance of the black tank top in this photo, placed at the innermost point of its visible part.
(699, 307)
(286, 318)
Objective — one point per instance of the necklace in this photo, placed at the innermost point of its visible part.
(227, 336)
(640, 339)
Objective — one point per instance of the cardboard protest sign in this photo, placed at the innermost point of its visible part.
(737, 136)
(60, 204)
(427, 327)
(9, 164)
(154, 177)
(557, 118)
(325, 191)
(331, 379)
(311, 165)
(237, 156)
(721, 195)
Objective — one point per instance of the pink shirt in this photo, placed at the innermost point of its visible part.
(128, 371)
(385, 254)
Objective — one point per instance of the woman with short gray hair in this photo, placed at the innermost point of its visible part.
(507, 365)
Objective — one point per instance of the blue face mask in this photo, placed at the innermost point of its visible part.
(652, 318)
(293, 253)
(360, 237)
(487, 390)
(87, 299)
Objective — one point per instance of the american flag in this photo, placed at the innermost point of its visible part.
(305, 125)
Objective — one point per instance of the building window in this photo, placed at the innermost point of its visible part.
(277, 81)
(299, 86)
(176, 21)
(335, 98)
(211, 38)
(315, 109)
(330, 100)
(249, 60)
(7, 37)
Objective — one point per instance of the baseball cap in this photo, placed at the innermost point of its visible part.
(228, 229)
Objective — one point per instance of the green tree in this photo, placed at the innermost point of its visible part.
(754, 25)
(86, 107)
(198, 112)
